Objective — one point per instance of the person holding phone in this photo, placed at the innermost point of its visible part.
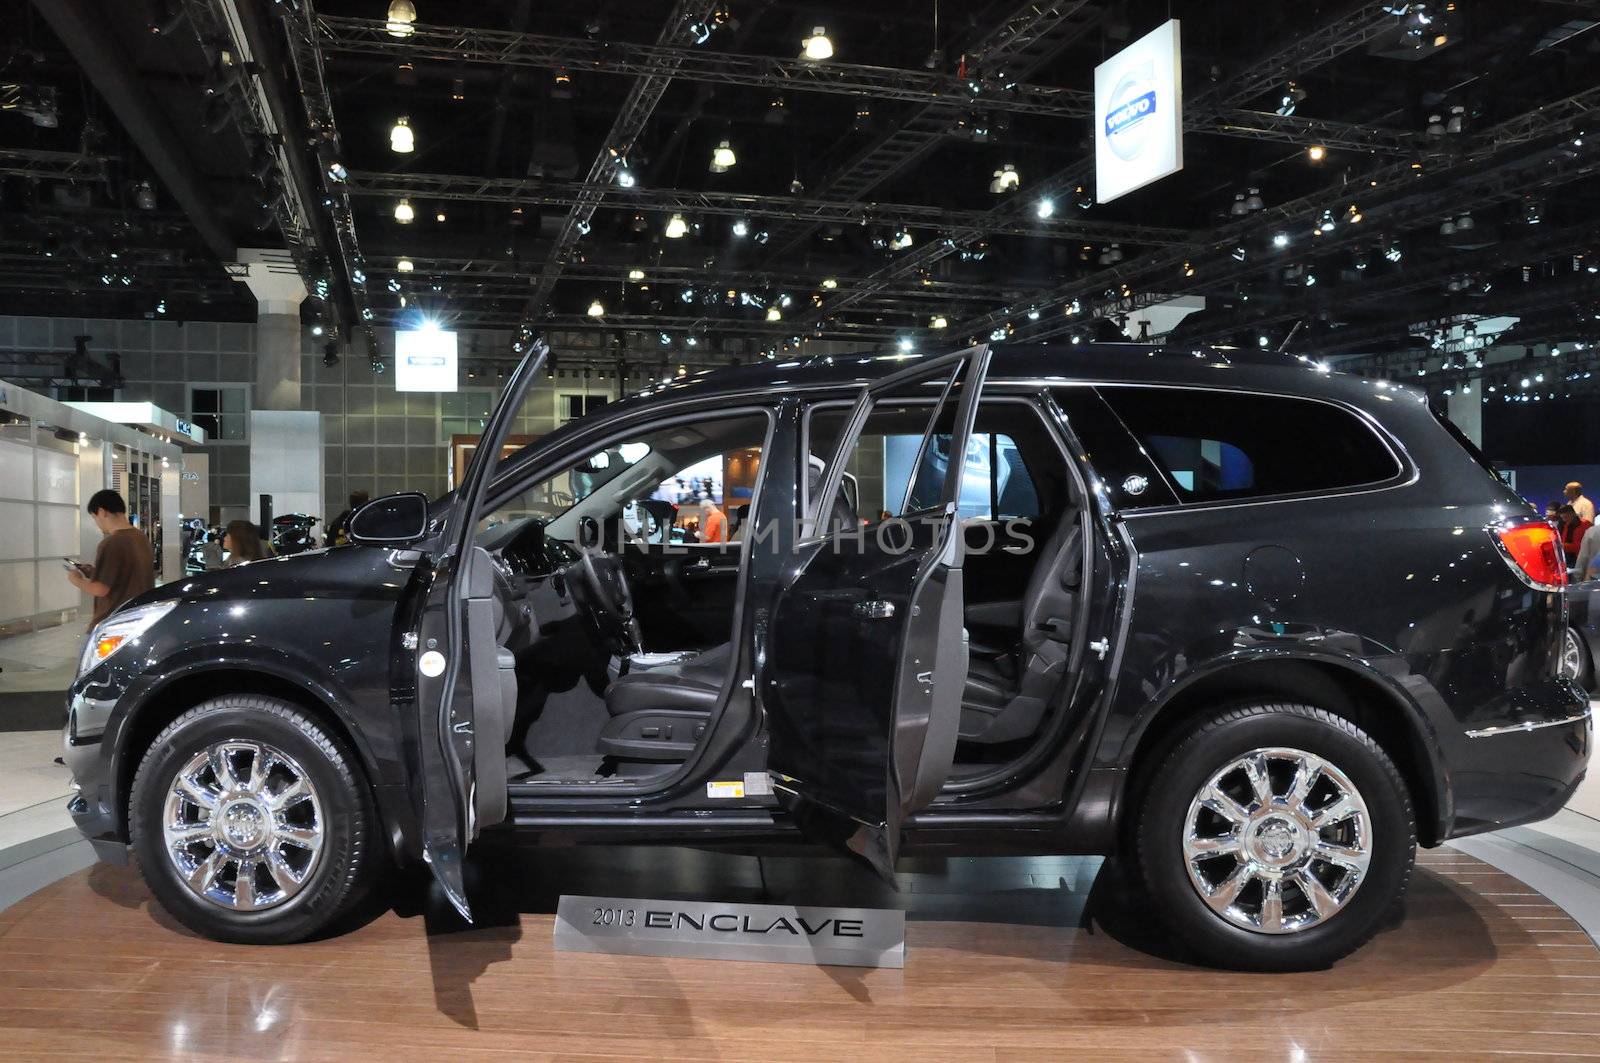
(124, 565)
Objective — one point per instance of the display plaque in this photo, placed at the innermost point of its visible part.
(773, 933)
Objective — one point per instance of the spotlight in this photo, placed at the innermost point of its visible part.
(394, 284)
(1393, 253)
(901, 240)
(830, 283)
(1045, 208)
(438, 215)
(723, 158)
(1316, 153)
(401, 138)
(596, 309)
(624, 177)
(774, 314)
(938, 322)
(818, 46)
(1280, 240)
(1006, 179)
(144, 197)
(403, 212)
(402, 13)
(905, 343)
(1253, 202)
(1291, 97)
(1238, 209)
(676, 227)
(636, 274)
(741, 227)
(405, 265)
(1435, 125)
(316, 330)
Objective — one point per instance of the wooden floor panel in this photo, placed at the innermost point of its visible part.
(1002, 964)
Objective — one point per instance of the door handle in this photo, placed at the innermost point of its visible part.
(875, 610)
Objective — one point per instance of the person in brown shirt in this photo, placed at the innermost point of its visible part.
(124, 565)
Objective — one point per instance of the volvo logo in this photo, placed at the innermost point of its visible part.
(1127, 126)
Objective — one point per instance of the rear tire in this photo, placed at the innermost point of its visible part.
(1275, 837)
(252, 823)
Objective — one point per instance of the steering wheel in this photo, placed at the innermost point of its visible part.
(610, 599)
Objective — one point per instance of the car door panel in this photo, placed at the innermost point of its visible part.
(458, 661)
(862, 664)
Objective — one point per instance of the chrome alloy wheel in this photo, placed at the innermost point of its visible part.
(1277, 841)
(243, 825)
(1572, 656)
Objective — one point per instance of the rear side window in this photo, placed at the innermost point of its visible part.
(1216, 445)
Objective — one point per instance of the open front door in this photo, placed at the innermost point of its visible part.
(460, 677)
(865, 658)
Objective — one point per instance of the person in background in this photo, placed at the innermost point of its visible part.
(1588, 556)
(1580, 505)
(243, 544)
(211, 550)
(1552, 512)
(124, 565)
(1571, 528)
(713, 522)
(339, 530)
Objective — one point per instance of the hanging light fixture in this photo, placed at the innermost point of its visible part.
(901, 240)
(938, 322)
(1253, 202)
(1006, 179)
(741, 228)
(403, 212)
(773, 313)
(636, 274)
(401, 139)
(1316, 153)
(597, 309)
(402, 13)
(1239, 208)
(818, 46)
(676, 227)
(405, 265)
(1045, 208)
(1435, 126)
(723, 158)
(830, 283)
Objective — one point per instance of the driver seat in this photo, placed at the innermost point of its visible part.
(661, 712)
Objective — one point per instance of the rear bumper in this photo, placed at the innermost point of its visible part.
(1521, 771)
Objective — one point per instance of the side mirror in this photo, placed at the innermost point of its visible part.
(391, 520)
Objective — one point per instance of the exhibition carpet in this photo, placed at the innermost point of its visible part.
(1014, 959)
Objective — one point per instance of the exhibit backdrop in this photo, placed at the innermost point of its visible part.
(1138, 106)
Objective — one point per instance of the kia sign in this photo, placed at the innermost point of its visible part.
(1138, 106)
(425, 359)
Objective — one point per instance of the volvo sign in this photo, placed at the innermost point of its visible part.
(1138, 106)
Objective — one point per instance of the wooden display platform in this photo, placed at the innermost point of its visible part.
(997, 968)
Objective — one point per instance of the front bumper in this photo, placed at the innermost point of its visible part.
(93, 807)
(1523, 770)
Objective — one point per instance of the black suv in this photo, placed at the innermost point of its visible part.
(1255, 629)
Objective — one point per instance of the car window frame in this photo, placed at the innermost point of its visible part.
(995, 391)
(1406, 470)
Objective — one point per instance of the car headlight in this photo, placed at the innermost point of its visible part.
(119, 629)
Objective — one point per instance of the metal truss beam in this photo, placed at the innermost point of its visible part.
(1018, 47)
(1305, 51)
(53, 165)
(659, 323)
(1380, 285)
(586, 194)
(625, 129)
(307, 60)
(1394, 195)
(455, 44)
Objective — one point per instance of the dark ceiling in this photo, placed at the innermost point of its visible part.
(514, 106)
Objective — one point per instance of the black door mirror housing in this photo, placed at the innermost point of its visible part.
(392, 520)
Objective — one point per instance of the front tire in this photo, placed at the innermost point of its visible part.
(1275, 837)
(252, 823)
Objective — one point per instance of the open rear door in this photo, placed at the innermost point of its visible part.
(864, 661)
(462, 780)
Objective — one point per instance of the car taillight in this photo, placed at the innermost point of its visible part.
(1537, 552)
